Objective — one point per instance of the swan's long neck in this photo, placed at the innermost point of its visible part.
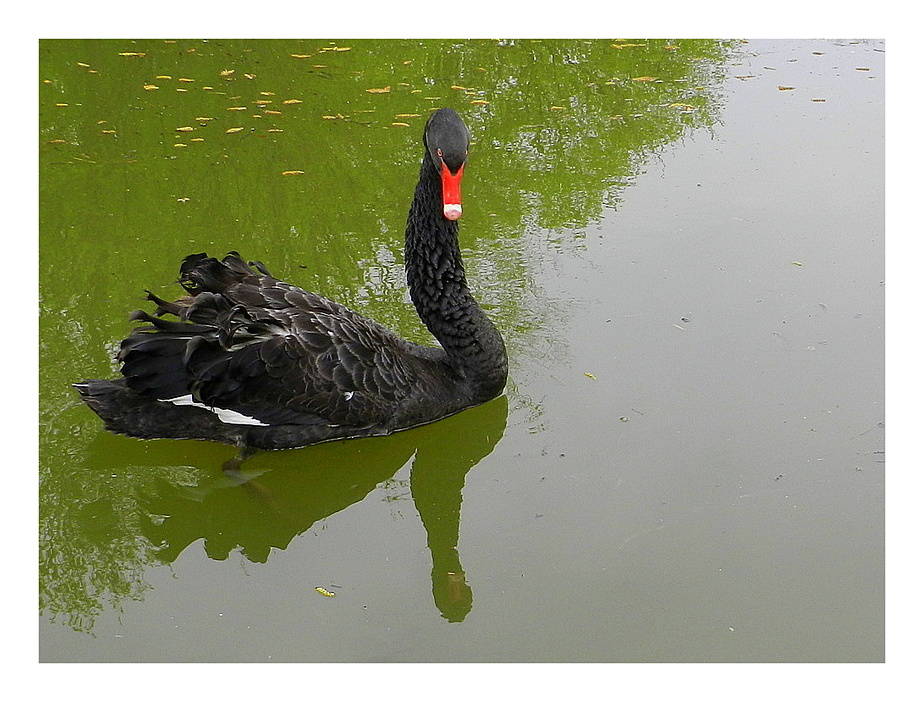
(436, 278)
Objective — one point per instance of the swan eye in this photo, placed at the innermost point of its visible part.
(439, 152)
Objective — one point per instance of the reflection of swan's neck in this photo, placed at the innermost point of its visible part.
(436, 278)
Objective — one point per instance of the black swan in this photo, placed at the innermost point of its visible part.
(259, 363)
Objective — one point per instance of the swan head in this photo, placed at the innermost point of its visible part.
(446, 138)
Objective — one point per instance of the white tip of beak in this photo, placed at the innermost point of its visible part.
(452, 211)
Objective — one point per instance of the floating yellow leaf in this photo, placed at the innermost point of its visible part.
(197, 139)
(785, 87)
(273, 112)
(479, 102)
(326, 593)
(796, 263)
(386, 89)
(233, 130)
(204, 119)
(227, 72)
(459, 87)
(274, 130)
(407, 114)
(293, 101)
(644, 79)
(58, 141)
(262, 102)
(301, 55)
(624, 46)
(238, 107)
(556, 107)
(151, 87)
(132, 53)
(591, 376)
(180, 145)
(108, 131)
(400, 124)
(84, 65)
(288, 173)
(187, 80)
(163, 77)
(185, 129)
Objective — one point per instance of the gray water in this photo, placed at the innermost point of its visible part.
(690, 463)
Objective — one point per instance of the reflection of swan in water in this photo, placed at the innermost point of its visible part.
(279, 504)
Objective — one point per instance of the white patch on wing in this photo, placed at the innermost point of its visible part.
(225, 415)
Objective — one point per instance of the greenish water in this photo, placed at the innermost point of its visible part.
(683, 254)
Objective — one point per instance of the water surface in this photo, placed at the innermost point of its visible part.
(682, 242)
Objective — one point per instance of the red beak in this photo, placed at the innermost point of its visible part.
(452, 192)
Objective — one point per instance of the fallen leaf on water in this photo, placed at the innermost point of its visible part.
(400, 124)
(288, 173)
(132, 53)
(185, 129)
(326, 593)
(301, 55)
(624, 46)
(233, 130)
(162, 77)
(785, 87)
(408, 114)
(386, 89)
(479, 102)
(239, 107)
(293, 101)
(796, 263)
(187, 80)
(227, 72)
(151, 87)
(591, 376)
(644, 79)
(273, 112)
